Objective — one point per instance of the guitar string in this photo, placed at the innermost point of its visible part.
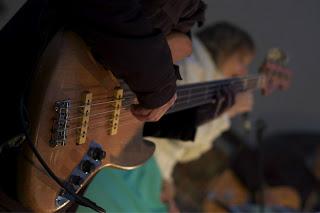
(180, 100)
(126, 121)
(124, 107)
(107, 129)
(130, 121)
(105, 122)
(224, 83)
(129, 113)
(177, 102)
(203, 98)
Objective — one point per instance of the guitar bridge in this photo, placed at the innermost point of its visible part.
(59, 129)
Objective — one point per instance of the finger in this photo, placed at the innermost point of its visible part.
(152, 114)
(141, 117)
(174, 98)
(155, 115)
(138, 110)
(170, 102)
(140, 113)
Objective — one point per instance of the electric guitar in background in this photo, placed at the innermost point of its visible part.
(80, 119)
(274, 58)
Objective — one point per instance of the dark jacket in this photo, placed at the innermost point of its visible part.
(128, 36)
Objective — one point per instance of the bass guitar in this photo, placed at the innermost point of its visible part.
(80, 119)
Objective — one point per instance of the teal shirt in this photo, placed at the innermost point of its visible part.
(136, 190)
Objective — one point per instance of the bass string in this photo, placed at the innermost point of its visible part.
(104, 124)
(130, 94)
(99, 113)
(192, 98)
(179, 101)
(124, 122)
(129, 121)
(106, 119)
(126, 114)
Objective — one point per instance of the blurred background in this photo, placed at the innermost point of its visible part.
(276, 163)
(282, 161)
(291, 25)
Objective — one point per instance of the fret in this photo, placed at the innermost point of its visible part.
(245, 84)
(197, 94)
(207, 92)
(182, 106)
(189, 96)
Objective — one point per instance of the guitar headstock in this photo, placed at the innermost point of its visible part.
(276, 75)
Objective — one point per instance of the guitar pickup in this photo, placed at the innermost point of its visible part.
(115, 115)
(87, 101)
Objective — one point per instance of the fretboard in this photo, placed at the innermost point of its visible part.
(197, 94)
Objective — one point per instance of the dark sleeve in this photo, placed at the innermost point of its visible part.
(179, 125)
(124, 41)
(178, 15)
(194, 13)
(183, 125)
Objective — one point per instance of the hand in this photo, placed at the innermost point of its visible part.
(144, 114)
(180, 46)
(167, 196)
(243, 103)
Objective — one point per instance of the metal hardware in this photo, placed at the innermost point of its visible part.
(80, 174)
(59, 129)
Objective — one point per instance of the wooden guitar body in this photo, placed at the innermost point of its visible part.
(66, 73)
(80, 119)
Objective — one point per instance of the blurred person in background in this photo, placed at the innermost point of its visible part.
(220, 51)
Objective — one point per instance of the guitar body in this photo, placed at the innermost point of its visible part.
(68, 71)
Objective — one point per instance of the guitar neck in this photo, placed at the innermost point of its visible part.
(197, 94)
